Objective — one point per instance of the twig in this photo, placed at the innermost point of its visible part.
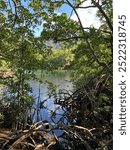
(16, 14)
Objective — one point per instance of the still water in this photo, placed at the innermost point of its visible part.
(62, 80)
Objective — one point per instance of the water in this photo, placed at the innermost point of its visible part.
(62, 80)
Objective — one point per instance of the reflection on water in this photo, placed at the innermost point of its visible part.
(62, 80)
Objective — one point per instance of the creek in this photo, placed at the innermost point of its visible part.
(62, 80)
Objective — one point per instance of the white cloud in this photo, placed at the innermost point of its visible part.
(87, 16)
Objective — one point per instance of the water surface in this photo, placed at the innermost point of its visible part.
(62, 80)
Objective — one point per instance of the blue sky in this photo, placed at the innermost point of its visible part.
(64, 9)
(87, 16)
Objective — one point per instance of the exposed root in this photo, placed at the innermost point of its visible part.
(38, 138)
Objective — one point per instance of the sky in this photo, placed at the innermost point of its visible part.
(87, 16)
(64, 9)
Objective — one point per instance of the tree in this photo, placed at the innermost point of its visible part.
(19, 50)
(92, 64)
(92, 50)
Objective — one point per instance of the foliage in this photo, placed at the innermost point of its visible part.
(89, 65)
(92, 51)
(19, 50)
(59, 59)
(87, 50)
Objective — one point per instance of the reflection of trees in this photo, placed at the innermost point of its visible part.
(86, 120)
(85, 128)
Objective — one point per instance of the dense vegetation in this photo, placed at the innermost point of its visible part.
(85, 50)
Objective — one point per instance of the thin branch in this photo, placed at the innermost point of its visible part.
(96, 58)
(15, 9)
(80, 3)
(70, 38)
(87, 40)
(87, 28)
(71, 14)
(104, 14)
(85, 7)
(10, 4)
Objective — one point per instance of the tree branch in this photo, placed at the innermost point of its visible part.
(15, 9)
(104, 14)
(80, 3)
(87, 28)
(87, 40)
(70, 38)
(85, 7)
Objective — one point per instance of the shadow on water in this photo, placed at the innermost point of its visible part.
(45, 108)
